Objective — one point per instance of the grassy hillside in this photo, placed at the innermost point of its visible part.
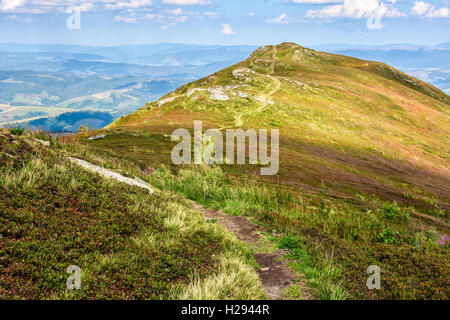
(364, 165)
(129, 244)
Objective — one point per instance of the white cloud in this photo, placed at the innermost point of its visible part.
(132, 4)
(357, 9)
(279, 20)
(153, 16)
(125, 19)
(11, 5)
(11, 17)
(226, 29)
(212, 15)
(439, 13)
(317, 1)
(46, 6)
(176, 12)
(426, 9)
(169, 19)
(15, 17)
(187, 2)
(421, 7)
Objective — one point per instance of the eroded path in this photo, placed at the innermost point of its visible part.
(274, 57)
(275, 276)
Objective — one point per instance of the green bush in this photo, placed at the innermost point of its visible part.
(83, 128)
(394, 213)
(289, 242)
(388, 236)
(17, 131)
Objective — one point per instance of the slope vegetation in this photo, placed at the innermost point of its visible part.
(364, 165)
(128, 243)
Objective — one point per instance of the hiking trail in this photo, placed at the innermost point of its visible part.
(275, 275)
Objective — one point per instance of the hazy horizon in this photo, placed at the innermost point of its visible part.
(214, 22)
(218, 44)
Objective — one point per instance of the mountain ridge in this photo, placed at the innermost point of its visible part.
(364, 170)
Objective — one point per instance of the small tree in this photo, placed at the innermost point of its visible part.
(18, 131)
(83, 128)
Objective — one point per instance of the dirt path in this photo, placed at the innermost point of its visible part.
(266, 98)
(277, 87)
(274, 274)
(274, 57)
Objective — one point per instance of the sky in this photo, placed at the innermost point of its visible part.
(225, 22)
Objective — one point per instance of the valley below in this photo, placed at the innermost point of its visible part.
(96, 85)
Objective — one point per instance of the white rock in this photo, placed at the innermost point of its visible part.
(264, 100)
(43, 142)
(243, 95)
(97, 137)
(192, 91)
(231, 87)
(243, 72)
(112, 175)
(167, 100)
(300, 84)
(8, 155)
(218, 93)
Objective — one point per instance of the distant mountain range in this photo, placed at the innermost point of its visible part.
(430, 64)
(45, 81)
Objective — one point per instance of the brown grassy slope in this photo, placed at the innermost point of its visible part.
(354, 137)
(349, 124)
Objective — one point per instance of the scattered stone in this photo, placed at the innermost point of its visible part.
(264, 61)
(43, 142)
(242, 73)
(192, 91)
(266, 269)
(243, 95)
(218, 93)
(298, 83)
(264, 101)
(231, 87)
(8, 155)
(97, 137)
(167, 100)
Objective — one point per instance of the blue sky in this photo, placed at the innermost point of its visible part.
(255, 22)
